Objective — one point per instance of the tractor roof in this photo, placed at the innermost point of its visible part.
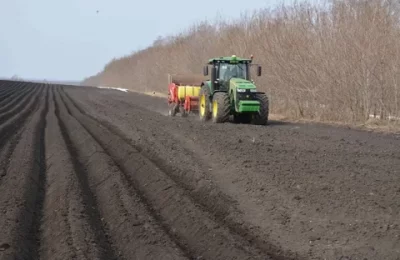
(229, 59)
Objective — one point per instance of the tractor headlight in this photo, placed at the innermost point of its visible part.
(241, 90)
(253, 90)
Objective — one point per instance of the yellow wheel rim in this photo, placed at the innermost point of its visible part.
(215, 108)
(202, 105)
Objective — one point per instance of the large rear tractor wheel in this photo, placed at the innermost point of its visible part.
(220, 107)
(204, 104)
(261, 118)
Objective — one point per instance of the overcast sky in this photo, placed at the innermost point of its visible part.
(69, 40)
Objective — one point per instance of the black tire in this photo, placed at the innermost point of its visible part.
(172, 109)
(242, 118)
(223, 110)
(205, 91)
(236, 119)
(261, 118)
(182, 111)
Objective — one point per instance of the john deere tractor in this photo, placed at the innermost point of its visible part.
(232, 92)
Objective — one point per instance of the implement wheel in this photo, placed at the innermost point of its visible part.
(182, 111)
(172, 109)
(204, 104)
(220, 107)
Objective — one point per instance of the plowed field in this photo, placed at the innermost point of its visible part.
(89, 173)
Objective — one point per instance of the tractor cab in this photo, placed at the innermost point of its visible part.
(223, 69)
(225, 72)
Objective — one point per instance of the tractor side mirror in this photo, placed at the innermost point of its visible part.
(259, 71)
(205, 70)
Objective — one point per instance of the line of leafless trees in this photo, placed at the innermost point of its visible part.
(336, 61)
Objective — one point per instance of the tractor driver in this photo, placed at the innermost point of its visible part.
(230, 71)
(233, 71)
(225, 74)
(238, 71)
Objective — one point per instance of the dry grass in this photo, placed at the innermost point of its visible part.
(337, 62)
(372, 125)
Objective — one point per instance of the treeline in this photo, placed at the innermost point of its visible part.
(337, 61)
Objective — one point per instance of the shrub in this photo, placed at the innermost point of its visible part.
(336, 61)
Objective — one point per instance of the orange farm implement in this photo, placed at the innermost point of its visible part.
(183, 94)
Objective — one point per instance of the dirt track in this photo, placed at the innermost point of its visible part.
(100, 174)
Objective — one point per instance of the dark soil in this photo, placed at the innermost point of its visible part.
(90, 173)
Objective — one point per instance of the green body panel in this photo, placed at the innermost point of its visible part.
(239, 83)
(248, 106)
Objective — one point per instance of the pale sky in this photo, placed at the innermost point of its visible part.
(69, 40)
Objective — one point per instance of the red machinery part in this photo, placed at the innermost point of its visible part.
(173, 93)
(191, 103)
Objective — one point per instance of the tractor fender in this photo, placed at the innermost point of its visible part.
(208, 85)
(215, 91)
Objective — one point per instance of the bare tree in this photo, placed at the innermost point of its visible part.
(336, 61)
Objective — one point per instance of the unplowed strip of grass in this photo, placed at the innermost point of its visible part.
(65, 227)
(194, 228)
(120, 215)
(22, 190)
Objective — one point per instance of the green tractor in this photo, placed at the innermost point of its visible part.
(232, 92)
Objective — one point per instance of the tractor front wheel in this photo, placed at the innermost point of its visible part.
(204, 104)
(221, 107)
(261, 118)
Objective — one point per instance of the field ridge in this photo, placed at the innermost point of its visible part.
(88, 173)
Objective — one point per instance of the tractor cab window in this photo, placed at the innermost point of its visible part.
(228, 71)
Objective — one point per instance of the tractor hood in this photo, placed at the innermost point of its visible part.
(242, 83)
